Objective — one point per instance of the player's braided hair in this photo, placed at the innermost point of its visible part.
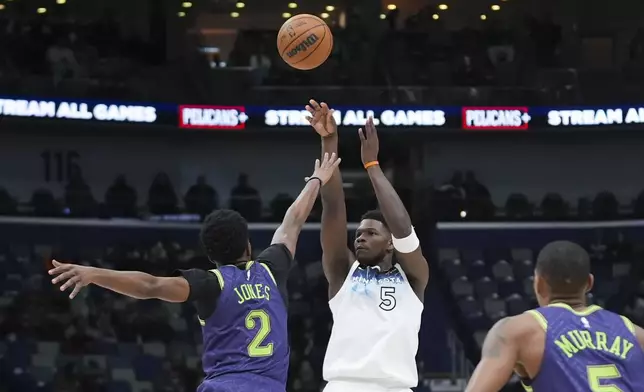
(565, 266)
(224, 236)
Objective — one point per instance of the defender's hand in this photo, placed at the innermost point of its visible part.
(324, 170)
(71, 275)
(321, 118)
(369, 144)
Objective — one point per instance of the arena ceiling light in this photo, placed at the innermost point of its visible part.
(292, 5)
(329, 8)
(495, 7)
(442, 7)
(391, 7)
(324, 15)
(383, 16)
(186, 4)
(41, 10)
(234, 14)
(2, 6)
(483, 17)
(435, 16)
(240, 5)
(181, 14)
(286, 15)
(61, 1)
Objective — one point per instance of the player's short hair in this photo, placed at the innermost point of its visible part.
(565, 266)
(375, 215)
(224, 236)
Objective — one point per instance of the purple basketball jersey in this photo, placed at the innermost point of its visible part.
(246, 340)
(590, 350)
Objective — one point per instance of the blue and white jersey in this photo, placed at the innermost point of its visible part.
(376, 320)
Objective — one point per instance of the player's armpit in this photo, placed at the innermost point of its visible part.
(279, 260)
(498, 358)
(639, 334)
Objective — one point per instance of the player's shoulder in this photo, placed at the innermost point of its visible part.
(520, 326)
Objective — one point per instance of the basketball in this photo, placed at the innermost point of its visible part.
(304, 41)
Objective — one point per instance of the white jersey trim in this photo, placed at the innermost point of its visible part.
(404, 275)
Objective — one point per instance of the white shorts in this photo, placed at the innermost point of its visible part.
(352, 386)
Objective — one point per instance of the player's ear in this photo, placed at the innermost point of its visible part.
(590, 283)
(390, 245)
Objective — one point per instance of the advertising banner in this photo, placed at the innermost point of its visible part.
(401, 118)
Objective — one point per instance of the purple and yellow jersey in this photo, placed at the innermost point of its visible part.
(243, 315)
(591, 350)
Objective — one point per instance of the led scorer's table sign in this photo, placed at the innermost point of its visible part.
(78, 110)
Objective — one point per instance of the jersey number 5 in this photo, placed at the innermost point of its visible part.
(256, 348)
(387, 299)
(605, 373)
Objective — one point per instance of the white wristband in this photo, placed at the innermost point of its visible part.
(407, 244)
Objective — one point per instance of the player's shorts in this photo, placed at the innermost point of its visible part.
(350, 386)
(243, 382)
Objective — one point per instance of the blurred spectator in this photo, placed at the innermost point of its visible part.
(162, 198)
(201, 198)
(121, 198)
(245, 199)
(62, 61)
(78, 195)
(261, 63)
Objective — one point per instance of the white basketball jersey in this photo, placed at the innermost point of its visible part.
(376, 320)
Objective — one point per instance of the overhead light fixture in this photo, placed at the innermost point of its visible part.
(324, 15)
(495, 7)
(41, 10)
(442, 7)
(286, 15)
(61, 1)
(435, 16)
(240, 4)
(234, 14)
(186, 4)
(1, 7)
(181, 14)
(329, 8)
(383, 16)
(391, 7)
(483, 17)
(292, 5)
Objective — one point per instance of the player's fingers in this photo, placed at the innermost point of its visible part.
(76, 290)
(72, 281)
(60, 269)
(336, 163)
(56, 263)
(62, 277)
(317, 164)
(361, 134)
(310, 109)
(309, 119)
(333, 158)
(315, 105)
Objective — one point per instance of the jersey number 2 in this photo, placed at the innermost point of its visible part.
(603, 372)
(387, 299)
(256, 348)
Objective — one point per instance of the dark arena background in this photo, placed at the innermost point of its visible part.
(504, 124)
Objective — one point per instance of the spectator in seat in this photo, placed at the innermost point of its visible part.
(478, 199)
(201, 198)
(121, 198)
(245, 199)
(62, 61)
(162, 198)
(78, 195)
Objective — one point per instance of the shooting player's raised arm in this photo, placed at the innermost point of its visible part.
(405, 241)
(333, 236)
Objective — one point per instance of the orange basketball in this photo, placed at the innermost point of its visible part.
(304, 41)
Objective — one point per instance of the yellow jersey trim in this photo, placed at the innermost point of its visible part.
(589, 310)
(528, 388)
(249, 264)
(629, 324)
(540, 318)
(269, 272)
(219, 276)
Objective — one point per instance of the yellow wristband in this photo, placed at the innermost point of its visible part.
(369, 164)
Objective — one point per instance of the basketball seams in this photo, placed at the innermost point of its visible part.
(314, 50)
(301, 34)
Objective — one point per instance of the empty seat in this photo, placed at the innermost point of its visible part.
(192, 362)
(516, 305)
(42, 374)
(48, 348)
(509, 286)
(522, 268)
(471, 255)
(528, 287)
(485, 288)
(155, 349)
(448, 254)
(147, 367)
(462, 288)
(117, 362)
(494, 308)
(119, 386)
(40, 360)
(453, 269)
(123, 375)
(479, 337)
(129, 350)
(621, 269)
(469, 306)
(501, 270)
(142, 386)
(521, 254)
(99, 361)
(477, 270)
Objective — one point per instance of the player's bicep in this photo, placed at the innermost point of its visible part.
(279, 260)
(416, 268)
(170, 289)
(336, 257)
(498, 358)
(205, 289)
